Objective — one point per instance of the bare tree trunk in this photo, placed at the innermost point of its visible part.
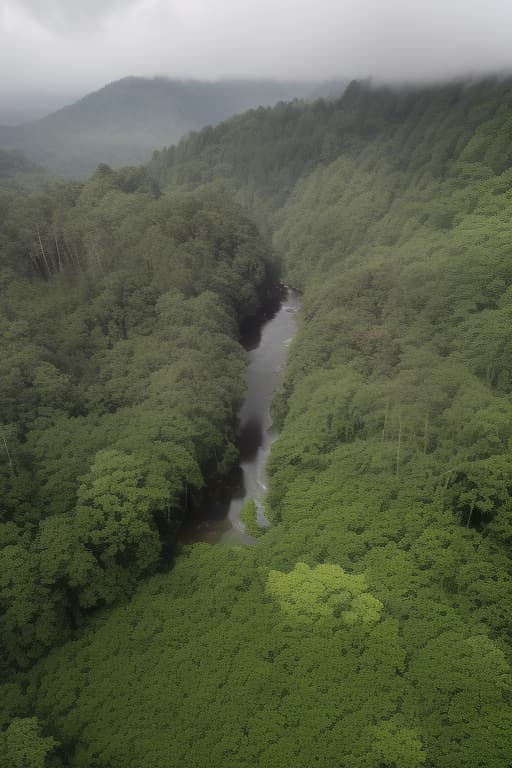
(8, 453)
(37, 264)
(53, 262)
(58, 252)
(43, 253)
(399, 440)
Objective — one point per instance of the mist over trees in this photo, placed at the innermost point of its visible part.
(370, 626)
(123, 122)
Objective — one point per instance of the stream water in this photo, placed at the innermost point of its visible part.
(218, 521)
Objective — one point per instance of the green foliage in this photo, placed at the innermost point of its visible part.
(249, 517)
(19, 174)
(22, 746)
(371, 625)
(324, 592)
(393, 460)
(234, 657)
(122, 376)
(126, 120)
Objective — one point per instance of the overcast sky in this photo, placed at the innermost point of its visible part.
(69, 47)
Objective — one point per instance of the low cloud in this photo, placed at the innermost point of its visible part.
(62, 18)
(65, 45)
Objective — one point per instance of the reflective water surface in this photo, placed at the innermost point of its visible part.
(219, 519)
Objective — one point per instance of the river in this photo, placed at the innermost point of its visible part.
(218, 521)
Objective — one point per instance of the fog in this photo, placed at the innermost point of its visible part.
(56, 47)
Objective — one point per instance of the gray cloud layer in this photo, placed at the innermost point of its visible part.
(81, 44)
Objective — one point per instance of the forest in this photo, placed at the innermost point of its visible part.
(371, 625)
(123, 122)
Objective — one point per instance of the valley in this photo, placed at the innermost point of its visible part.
(369, 624)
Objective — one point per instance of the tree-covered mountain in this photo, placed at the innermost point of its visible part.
(371, 625)
(123, 123)
(18, 173)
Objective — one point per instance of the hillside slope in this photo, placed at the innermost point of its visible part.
(371, 626)
(122, 123)
(18, 173)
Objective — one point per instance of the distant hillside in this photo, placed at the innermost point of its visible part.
(125, 121)
(18, 173)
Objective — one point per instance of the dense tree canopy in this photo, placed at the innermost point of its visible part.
(121, 379)
(371, 625)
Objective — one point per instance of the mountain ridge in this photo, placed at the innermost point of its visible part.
(126, 120)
